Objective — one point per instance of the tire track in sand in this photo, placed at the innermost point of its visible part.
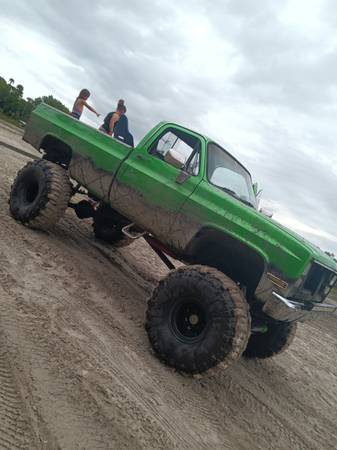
(15, 430)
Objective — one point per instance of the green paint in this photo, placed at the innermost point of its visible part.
(199, 201)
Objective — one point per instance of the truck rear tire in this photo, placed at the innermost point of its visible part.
(40, 194)
(196, 318)
(108, 226)
(274, 341)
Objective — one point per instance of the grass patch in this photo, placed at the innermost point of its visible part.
(10, 120)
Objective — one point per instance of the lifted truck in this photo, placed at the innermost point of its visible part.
(246, 280)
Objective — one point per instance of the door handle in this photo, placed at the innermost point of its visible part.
(140, 157)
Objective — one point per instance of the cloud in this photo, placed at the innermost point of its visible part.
(258, 77)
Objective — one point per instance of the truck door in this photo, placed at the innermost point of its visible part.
(157, 178)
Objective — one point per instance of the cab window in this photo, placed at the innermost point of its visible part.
(178, 149)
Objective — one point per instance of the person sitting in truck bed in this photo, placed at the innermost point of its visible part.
(112, 118)
(121, 131)
(80, 103)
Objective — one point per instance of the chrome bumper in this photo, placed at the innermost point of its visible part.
(280, 308)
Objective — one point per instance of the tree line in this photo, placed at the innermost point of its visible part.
(13, 105)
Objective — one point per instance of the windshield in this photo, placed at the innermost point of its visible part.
(226, 173)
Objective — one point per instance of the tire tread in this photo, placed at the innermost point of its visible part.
(238, 309)
(52, 202)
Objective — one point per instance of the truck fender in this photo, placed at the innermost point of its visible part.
(56, 150)
(236, 259)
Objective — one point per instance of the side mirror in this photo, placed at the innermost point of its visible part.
(174, 158)
(256, 190)
(266, 212)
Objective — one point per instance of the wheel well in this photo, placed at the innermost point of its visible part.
(235, 259)
(56, 151)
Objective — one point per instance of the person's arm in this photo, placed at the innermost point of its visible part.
(91, 108)
(113, 120)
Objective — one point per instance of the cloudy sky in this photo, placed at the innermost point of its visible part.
(259, 77)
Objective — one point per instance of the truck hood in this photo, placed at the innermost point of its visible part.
(318, 254)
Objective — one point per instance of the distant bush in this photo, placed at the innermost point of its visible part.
(13, 105)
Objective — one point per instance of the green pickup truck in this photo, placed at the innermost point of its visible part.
(246, 280)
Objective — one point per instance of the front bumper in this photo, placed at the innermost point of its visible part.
(284, 309)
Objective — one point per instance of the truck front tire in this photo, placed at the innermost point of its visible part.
(40, 194)
(196, 318)
(275, 340)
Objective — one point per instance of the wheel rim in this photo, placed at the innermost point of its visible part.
(188, 321)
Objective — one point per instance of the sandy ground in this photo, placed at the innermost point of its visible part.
(76, 368)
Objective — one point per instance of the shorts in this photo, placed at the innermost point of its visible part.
(75, 115)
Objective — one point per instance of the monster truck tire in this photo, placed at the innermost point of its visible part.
(40, 194)
(108, 226)
(196, 318)
(274, 341)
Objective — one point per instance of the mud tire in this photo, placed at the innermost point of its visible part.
(40, 194)
(222, 329)
(276, 340)
(108, 226)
